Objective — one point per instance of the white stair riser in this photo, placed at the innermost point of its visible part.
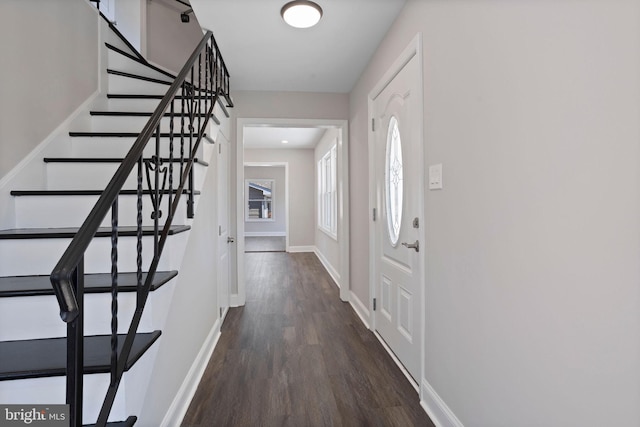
(116, 41)
(121, 84)
(120, 62)
(136, 124)
(119, 147)
(96, 176)
(51, 391)
(136, 104)
(71, 211)
(38, 316)
(22, 257)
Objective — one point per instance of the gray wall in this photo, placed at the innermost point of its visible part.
(532, 295)
(278, 226)
(194, 309)
(49, 54)
(170, 42)
(301, 179)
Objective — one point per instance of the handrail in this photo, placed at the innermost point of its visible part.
(198, 99)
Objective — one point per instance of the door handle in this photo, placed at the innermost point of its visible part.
(415, 245)
(230, 239)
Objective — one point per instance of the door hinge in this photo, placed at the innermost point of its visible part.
(219, 148)
(219, 230)
(374, 304)
(373, 125)
(374, 214)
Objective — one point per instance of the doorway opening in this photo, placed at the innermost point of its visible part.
(261, 141)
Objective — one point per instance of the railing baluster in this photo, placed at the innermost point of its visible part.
(171, 116)
(75, 350)
(182, 114)
(190, 211)
(114, 291)
(139, 233)
(199, 91)
(156, 190)
(206, 80)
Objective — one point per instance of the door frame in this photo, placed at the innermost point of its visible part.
(286, 193)
(414, 49)
(220, 141)
(239, 298)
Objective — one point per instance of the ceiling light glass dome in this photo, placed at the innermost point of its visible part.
(301, 13)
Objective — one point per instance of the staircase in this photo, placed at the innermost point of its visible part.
(37, 349)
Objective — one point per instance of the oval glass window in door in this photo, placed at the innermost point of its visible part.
(393, 181)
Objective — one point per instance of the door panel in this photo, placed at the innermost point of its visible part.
(398, 177)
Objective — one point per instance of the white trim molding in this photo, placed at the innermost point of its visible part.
(182, 400)
(343, 194)
(361, 310)
(265, 234)
(63, 128)
(297, 249)
(236, 301)
(327, 266)
(438, 411)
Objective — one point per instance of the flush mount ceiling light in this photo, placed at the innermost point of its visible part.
(301, 13)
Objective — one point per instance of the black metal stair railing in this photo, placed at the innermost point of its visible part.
(188, 105)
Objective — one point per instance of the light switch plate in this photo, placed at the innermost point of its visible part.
(435, 177)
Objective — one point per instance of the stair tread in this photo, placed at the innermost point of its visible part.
(129, 422)
(138, 77)
(23, 359)
(86, 192)
(134, 113)
(140, 96)
(129, 134)
(107, 160)
(23, 286)
(69, 232)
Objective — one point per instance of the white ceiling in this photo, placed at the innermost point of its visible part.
(256, 137)
(264, 53)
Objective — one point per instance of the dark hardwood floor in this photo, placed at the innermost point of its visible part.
(295, 355)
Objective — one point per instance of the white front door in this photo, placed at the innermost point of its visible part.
(224, 239)
(398, 175)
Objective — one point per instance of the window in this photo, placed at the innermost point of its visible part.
(259, 193)
(394, 181)
(327, 193)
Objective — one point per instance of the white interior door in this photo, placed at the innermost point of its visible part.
(398, 178)
(224, 239)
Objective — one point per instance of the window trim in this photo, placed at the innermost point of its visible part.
(327, 177)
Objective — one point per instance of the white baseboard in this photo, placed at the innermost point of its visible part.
(361, 310)
(265, 234)
(295, 249)
(182, 400)
(397, 361)
(235, 301)
(330, 269)
(435, 407)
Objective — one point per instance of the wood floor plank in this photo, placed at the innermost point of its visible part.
(295, 355)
